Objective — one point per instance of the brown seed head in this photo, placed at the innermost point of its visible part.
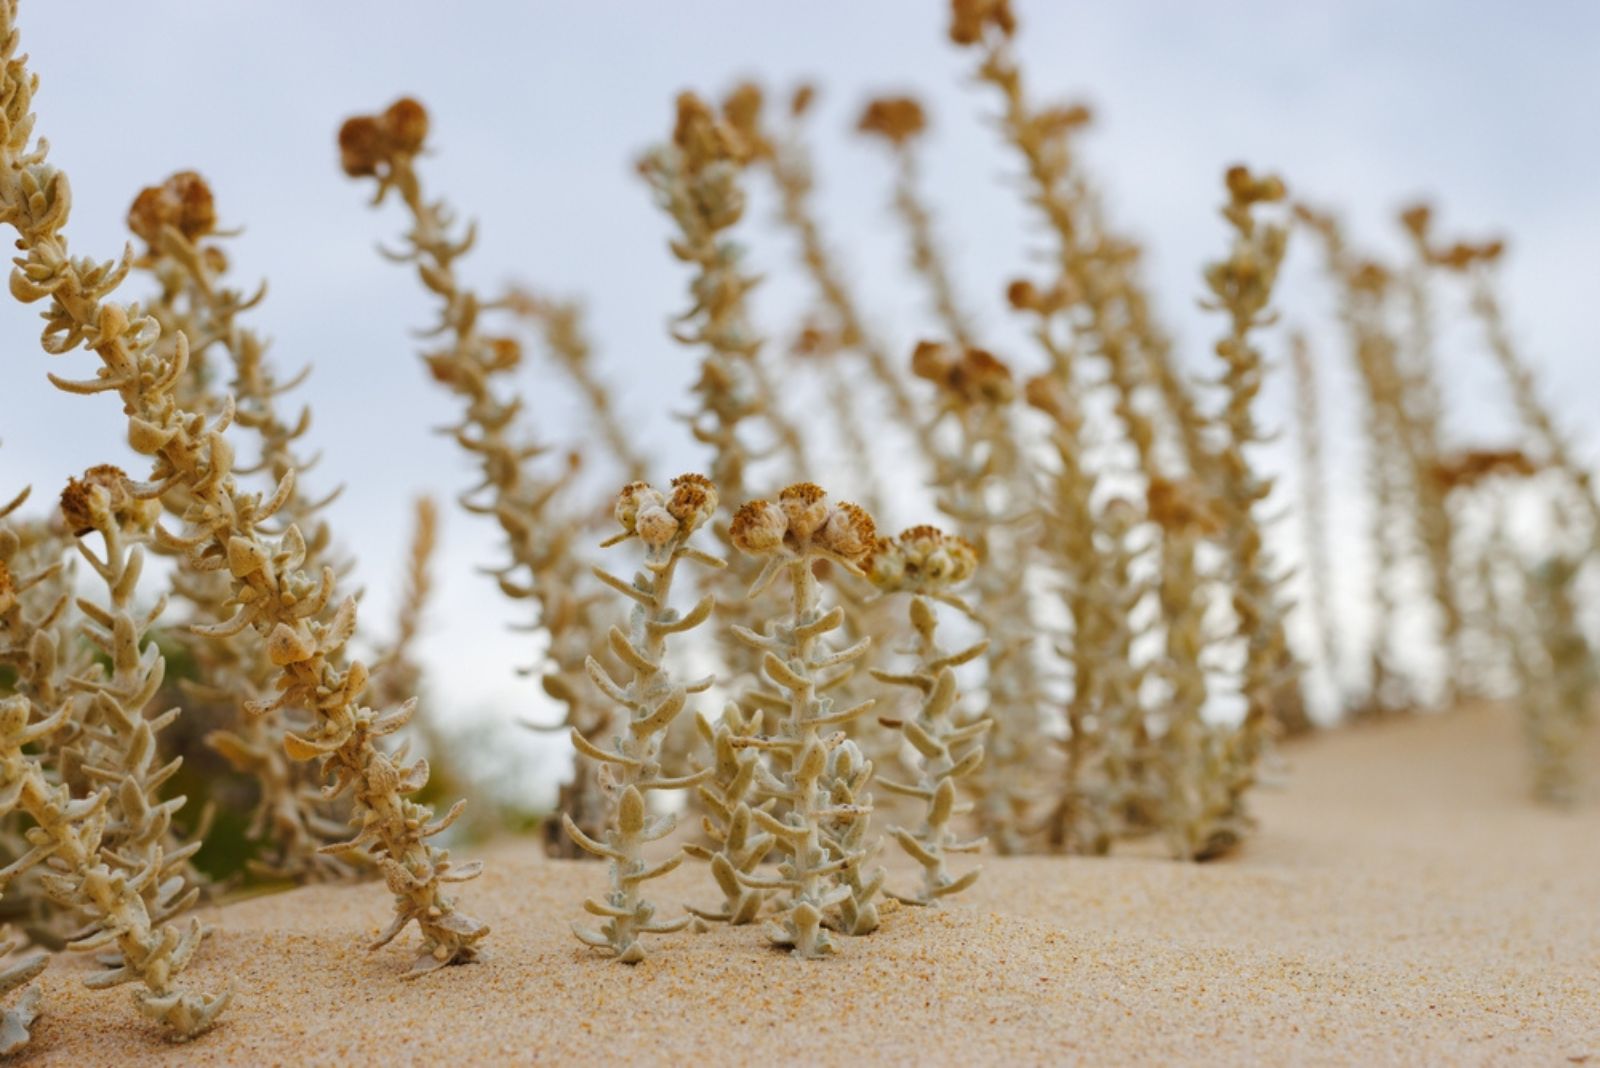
(741, 110)
(849, 532)
(702, 137)
(805, 504)
(1417, 220)
(923, 559)
(897, 119)
(183, 202)
(8, 589)
(362, 146)
(1245, 188)
(970, 18)
(800, 101)
(405, 123)
(693, 501)
(1181, 508)
(103, 490)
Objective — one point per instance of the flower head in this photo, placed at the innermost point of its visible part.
(972, 376)
(1182, 508)
(183, 202)
(923, 559)
(369, 144)
(969, 19)
(704, 138)
(804, 523)
(693, 501)
(102, 494)
(896, 119)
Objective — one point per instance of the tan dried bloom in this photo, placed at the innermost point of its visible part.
(368, 144)
(1462, 255)
(1417, 220)
(8, 589)
(741, 110)
(758, 527)
(361, 146)
(183, 202)
(849, 532)
(897, 119)
(975, 377)
(922, 559)
(1181, 507)
(1472, 466)
(970, 18)
(805, 505)
(1063, 119)
(703, 138)
(804, 523)
(800, 101)
(110, 485)
(693, 502)
(1246, 189)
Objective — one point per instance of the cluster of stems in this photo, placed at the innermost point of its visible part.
(225, 529)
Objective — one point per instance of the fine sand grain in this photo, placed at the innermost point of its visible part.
(1404, 904)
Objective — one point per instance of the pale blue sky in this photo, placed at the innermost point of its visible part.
(539, 109)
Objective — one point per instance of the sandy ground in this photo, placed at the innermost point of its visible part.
(1404, 904)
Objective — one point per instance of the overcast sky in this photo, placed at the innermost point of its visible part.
(539, 109)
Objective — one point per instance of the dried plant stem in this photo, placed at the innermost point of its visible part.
(927, 256)
(1241, 287)
(1079, 820)
(1364, 297)
(1314, 503)
(1550, 439)
(274, 594)
(948, 750)
(291, 819)
(630, 770)
(806, 872)
(561, 324)
(1094, 272)
(1560, 705)
(102, 855)
(814, 781)
(1186, 813)
(477, 368)
(791, 168)
(117, 749)
(1417, 413)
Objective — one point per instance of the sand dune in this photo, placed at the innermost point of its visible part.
(1403, 904)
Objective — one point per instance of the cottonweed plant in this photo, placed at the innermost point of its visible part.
(177, 223)
(273, 592)
(983, 482)
(480, 369)
(114, 893)
(1197, 810)
(630, 769)
(815, 780)
(1241, 287)
(948, 743)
